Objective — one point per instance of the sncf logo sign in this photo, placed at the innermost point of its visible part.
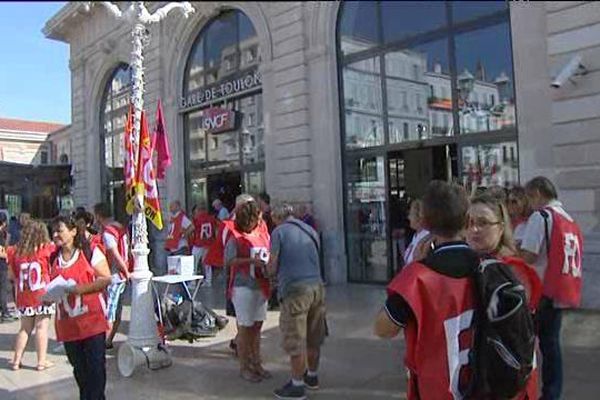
(218, 120)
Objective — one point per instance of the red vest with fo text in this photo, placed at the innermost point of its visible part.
(175, 232)
(562, 279)
(251, 245)
(214, 256)
(440, 337)
(120, 234)
(32, 275)
(204, 230)
(79, 316)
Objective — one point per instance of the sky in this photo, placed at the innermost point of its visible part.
(35, 81)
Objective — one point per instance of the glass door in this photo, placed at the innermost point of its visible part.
(366, 219)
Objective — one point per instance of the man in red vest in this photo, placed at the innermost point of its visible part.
(434, 301)
(116, 244)
(205, 227)
(553, 243)
(180, 228)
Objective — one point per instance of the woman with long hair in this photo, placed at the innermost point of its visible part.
(29, 268)
(519, 210)
(489, 233)
(80, 321)
(246, 253)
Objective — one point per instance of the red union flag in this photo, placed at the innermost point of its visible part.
(145, 177)
(129, 167)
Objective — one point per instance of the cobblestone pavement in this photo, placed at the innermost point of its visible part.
(355, 364)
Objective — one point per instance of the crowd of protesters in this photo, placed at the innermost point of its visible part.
(433, 298)
(266, 252)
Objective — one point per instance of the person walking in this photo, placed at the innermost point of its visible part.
(519, 211)
(246, 254)
(434, 300)
(115, 244)
(29, 268)
(80, 320)
(180, 228)
(295, 260)
(552, 242)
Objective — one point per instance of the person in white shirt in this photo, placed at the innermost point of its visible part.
(534, 250)
(519, 211)
(422, 237)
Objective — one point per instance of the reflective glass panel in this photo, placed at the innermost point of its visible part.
(466, 10)
(363, 108)
(419, 95)
(252, 129)
(402, 19)
(197, 138)
(485, 80)
(490, 164)
(359, 26)
(366, 219)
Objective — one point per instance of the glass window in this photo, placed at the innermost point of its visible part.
(466, 10)
(402, 19)
(366, 220)
(362, 97)
(431, 69)
(197, 137)
(253, 142)
(485, 165)
(484, 66)
(112, 122)
(359, 26)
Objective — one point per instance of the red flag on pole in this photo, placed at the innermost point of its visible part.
(160, 143)
(129, 167)
(146, 180)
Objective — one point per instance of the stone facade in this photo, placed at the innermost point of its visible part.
(559, 129)
(301, 103)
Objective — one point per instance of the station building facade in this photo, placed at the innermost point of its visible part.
(350, 107)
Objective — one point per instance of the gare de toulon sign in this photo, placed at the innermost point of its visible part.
(238, 85)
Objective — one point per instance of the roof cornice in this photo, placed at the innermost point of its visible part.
(54, 28)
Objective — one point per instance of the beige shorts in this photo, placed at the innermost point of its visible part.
(302, 319)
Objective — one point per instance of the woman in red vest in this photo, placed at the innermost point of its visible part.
(489, 234)
(80, 318)
(246, 253)
(29, 269)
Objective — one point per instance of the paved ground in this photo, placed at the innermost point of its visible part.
(355, 364)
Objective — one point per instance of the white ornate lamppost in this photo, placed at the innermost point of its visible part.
(143, 345)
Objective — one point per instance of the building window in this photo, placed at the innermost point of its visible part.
(112, 120)
(225, 51)
(44, 157)
(443, 76)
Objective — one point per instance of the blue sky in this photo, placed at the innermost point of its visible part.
(35, 79)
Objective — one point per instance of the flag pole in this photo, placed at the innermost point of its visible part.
(143, 346)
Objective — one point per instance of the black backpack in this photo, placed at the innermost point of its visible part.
(505, 339)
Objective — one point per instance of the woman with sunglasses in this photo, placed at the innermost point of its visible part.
(489, 233)
(80, 317)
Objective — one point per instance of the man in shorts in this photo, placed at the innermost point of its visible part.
(295, 260)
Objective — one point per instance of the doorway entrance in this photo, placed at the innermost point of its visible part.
(409, 172)
(225, 186)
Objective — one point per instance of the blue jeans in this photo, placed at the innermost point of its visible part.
(550, 319)
(88, 358)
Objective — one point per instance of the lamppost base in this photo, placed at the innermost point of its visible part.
(131, 358)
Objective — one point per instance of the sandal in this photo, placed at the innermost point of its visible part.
(260, 371)
(15, 366)
(250, 376)
(45, 366)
